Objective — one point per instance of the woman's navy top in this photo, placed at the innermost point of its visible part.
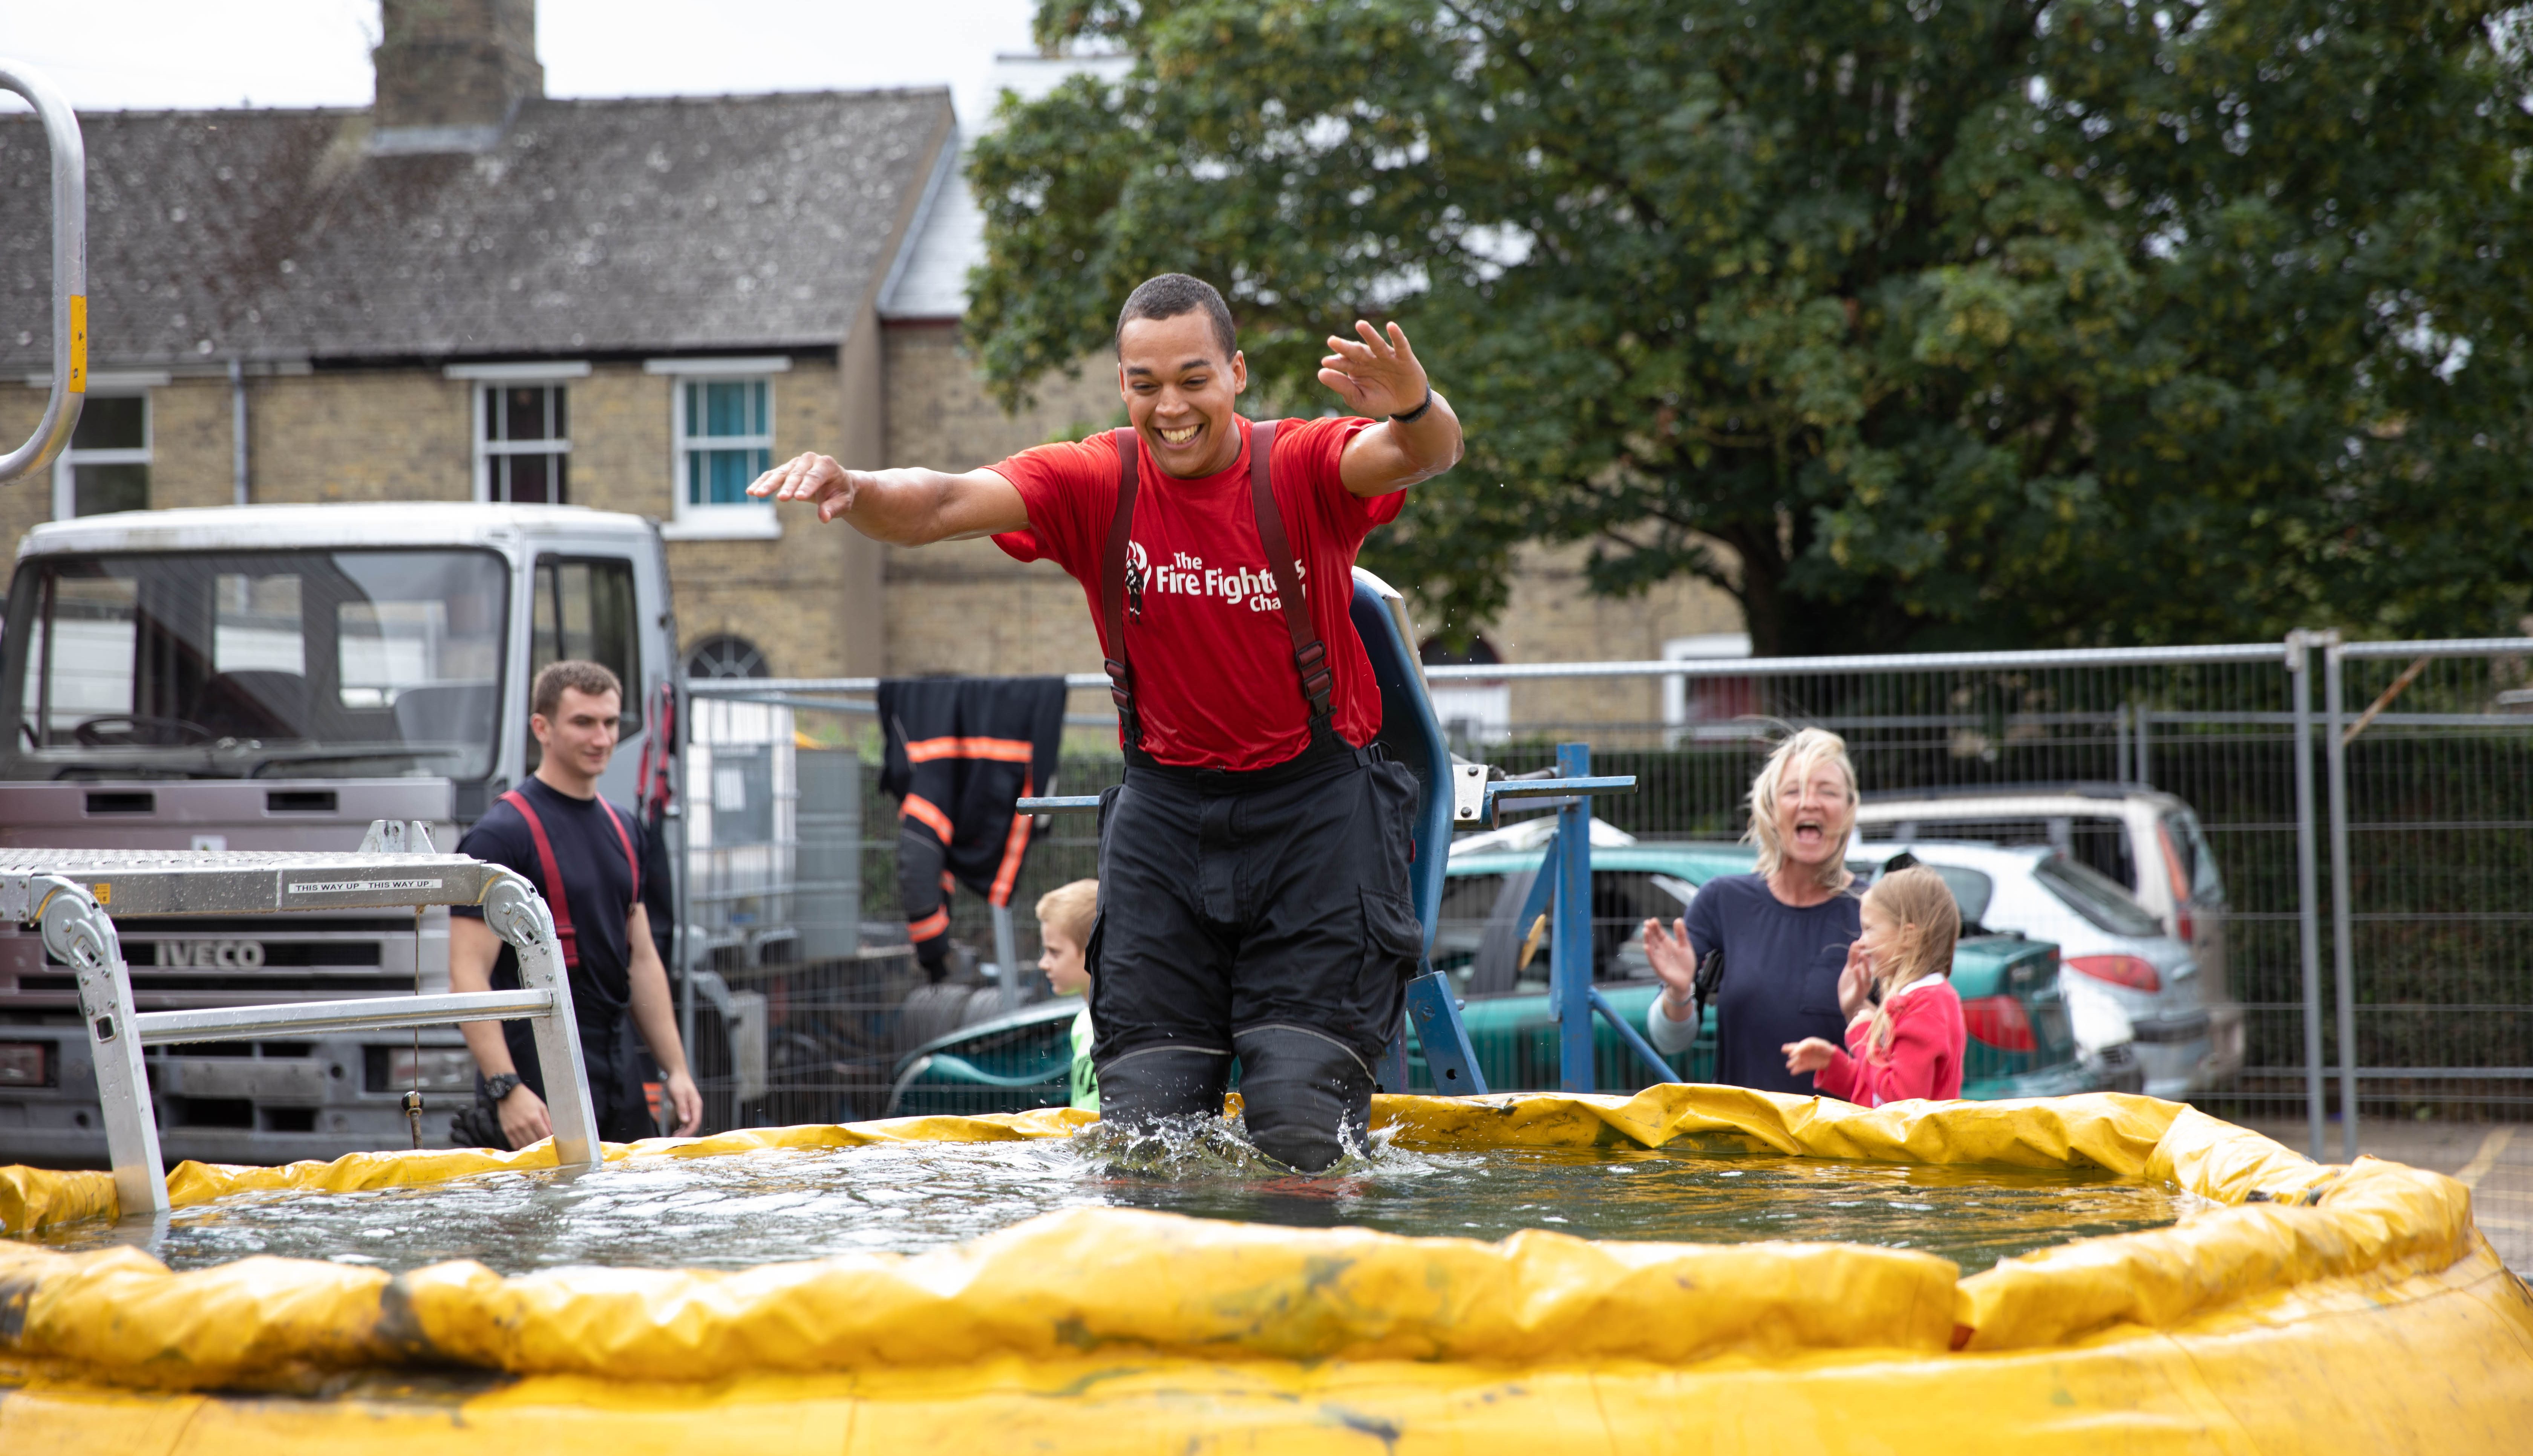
(1781, 970)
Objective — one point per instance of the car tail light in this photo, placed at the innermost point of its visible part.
(1999, 1022)
(2119, 970)
(2181, 925)
(22, 1064)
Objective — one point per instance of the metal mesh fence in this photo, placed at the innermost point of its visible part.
(2089, 757)
(2431, 876)
(2174, 772)
(807, 999)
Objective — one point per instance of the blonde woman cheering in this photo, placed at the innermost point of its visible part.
(1783, 931)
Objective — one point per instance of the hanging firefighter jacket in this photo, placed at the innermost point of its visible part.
(960, 751)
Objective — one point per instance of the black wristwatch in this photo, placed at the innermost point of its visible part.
(499, 1087)
(1418, 413)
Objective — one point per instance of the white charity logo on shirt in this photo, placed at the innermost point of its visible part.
(1186, 576)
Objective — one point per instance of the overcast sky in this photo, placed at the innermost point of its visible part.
(126, 54)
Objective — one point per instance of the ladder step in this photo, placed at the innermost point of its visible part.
(366, 1014)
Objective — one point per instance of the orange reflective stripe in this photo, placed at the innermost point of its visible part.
(923, 811)
(949, 883)
(1014, 844)
(929, 926)
(1000, 750)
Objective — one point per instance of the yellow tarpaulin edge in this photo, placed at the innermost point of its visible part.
(1105, 1278)
(2441, 1362)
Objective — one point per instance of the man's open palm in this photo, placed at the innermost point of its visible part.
(1377, 377)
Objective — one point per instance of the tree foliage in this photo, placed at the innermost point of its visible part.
(1951, 322)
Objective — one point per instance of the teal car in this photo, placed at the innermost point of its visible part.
(2019, 1044)
(1009, 1063)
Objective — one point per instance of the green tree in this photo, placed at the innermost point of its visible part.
(1956, 321)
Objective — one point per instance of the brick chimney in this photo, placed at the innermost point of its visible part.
(452, 72)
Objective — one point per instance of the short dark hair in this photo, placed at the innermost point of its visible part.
(588, 677)
(1172, 295)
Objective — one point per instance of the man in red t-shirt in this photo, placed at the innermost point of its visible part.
(1253, 866)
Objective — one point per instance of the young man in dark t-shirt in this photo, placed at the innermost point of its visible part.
(556, 826)
(1253, 868)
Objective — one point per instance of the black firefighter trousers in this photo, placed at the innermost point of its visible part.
(1264, 915)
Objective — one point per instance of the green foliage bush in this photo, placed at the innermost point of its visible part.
(1948, 323)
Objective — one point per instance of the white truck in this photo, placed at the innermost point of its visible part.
(275, 678)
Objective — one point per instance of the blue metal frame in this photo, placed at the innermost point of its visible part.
(1569, 976)
(1564, 878)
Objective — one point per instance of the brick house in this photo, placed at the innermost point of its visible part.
(470, 291)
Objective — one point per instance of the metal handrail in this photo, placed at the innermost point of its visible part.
(73, 895)
(2083, 656)
(70, 273)
(364, 1014)
(2444, 647)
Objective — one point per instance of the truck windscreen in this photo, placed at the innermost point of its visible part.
(255, 664)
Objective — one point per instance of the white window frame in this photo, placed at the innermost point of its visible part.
(749, 521)
(65, 483)
(1705, 647)
(555, 373)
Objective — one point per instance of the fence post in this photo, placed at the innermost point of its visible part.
(2343, 957)
(1572, 966)
(2308, 891)
(682, 862)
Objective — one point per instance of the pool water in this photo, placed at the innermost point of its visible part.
(739, 1210)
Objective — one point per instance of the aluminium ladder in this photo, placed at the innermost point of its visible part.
(73, 895)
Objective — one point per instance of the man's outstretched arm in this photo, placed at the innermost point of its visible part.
(1381, 375)
(903, 507)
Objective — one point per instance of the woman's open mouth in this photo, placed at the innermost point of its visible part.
(1809, 830)
(1181, 435)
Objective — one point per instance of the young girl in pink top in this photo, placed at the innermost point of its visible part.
(1910, 1045)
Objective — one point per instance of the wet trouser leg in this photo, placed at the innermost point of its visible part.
(1264, 915)
(1308, 1094)
(1163, 1082)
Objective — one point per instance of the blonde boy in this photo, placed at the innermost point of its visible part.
(1064, 916)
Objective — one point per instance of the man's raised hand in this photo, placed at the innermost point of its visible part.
(1379, 376)
(815, 478)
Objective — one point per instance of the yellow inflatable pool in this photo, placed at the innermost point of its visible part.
(2321, 1308)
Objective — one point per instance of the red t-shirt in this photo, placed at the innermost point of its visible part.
(1214, 681)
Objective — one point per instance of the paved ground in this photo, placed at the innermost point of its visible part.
(2495, 1160)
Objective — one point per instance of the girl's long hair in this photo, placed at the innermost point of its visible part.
(1921, 905)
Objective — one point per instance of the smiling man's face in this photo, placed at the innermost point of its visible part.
(1179, 391)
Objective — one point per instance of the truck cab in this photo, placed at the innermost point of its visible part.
(276, 677)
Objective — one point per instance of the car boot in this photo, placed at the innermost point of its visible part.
(1306, 1095)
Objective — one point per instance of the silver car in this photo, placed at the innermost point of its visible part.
(2146, 839)
(2109, 946)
